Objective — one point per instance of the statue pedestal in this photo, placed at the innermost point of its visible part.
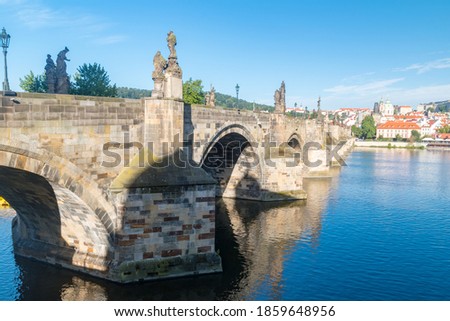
(158, 90)
(173, 87)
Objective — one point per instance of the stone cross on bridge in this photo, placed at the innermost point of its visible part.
(125, 189)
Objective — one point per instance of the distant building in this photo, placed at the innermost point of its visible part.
(352, 116)
(445, 136)
(298, 110)
(385, 108)
(430, 127)
(403, 110)
(391, 129)
(376, 108)
(425, 107)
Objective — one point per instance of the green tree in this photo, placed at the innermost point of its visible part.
(415, 135)
(398, 138)
(368, 128)
(356, 131)
(93, 80)
(33, 84)
(193, 92)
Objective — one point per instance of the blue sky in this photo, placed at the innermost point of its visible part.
(351, 53)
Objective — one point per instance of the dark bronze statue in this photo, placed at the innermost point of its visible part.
(62, 79)
(50, 75)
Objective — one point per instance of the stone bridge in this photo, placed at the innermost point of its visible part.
(125, 189)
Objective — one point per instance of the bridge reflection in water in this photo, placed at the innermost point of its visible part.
(255, 241)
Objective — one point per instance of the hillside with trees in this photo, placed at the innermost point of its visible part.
(133, 93)
(93, 80)
(228, 101)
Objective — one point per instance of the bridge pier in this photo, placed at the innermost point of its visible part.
(166, 213)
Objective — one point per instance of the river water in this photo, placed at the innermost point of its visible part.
(378, 229)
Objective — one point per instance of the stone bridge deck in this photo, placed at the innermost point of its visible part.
(64, 153)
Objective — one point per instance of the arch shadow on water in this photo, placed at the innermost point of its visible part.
(37, 226)
(47, 218)
(255, 239)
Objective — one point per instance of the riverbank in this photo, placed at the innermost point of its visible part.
(377, 144)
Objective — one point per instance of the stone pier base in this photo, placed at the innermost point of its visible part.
(167, 220)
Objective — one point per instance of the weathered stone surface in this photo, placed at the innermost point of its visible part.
(156, 215)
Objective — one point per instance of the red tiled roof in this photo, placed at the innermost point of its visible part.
(407, 117)
(398, 125)
(443, 136)
(356, 109)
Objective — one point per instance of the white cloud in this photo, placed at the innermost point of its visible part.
(373, 87)
(443, 63)
(358, 78)
(424, 93)
(110, 40)
(35, 15)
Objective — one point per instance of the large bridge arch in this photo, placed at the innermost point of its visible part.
(226, 129)
(62, 217)
(57, 170)
(232, 158)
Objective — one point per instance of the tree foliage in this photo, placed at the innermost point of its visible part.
(93, 80)
(368, 128)
(134, 93)
(415, 135)
(193, 92)
(228, 101)
(356, 131)
(32, 83)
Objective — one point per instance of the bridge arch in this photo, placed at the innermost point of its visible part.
(62, 216)
(232, 158)
(295, 141)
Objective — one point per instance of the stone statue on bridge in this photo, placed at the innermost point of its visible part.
(320, 117)
(62, 79)
(50, 75)
(167, 75)
(212, 99)
(171, 43)
(280, 99)
(159, 63)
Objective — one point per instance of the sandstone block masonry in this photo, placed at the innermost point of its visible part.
(167, 216)
(127, 222)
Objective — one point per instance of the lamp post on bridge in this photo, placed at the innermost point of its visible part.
(5, 44)
(237, 95)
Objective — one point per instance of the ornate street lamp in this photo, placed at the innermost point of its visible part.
(237, 95)
(5, 44)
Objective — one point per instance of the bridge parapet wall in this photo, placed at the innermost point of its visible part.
(74, 127)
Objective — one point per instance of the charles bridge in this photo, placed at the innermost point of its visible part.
(125, 189)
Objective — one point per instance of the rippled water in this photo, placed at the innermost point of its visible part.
(378, 230)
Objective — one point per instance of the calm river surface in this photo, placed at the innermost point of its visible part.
(378, 230)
